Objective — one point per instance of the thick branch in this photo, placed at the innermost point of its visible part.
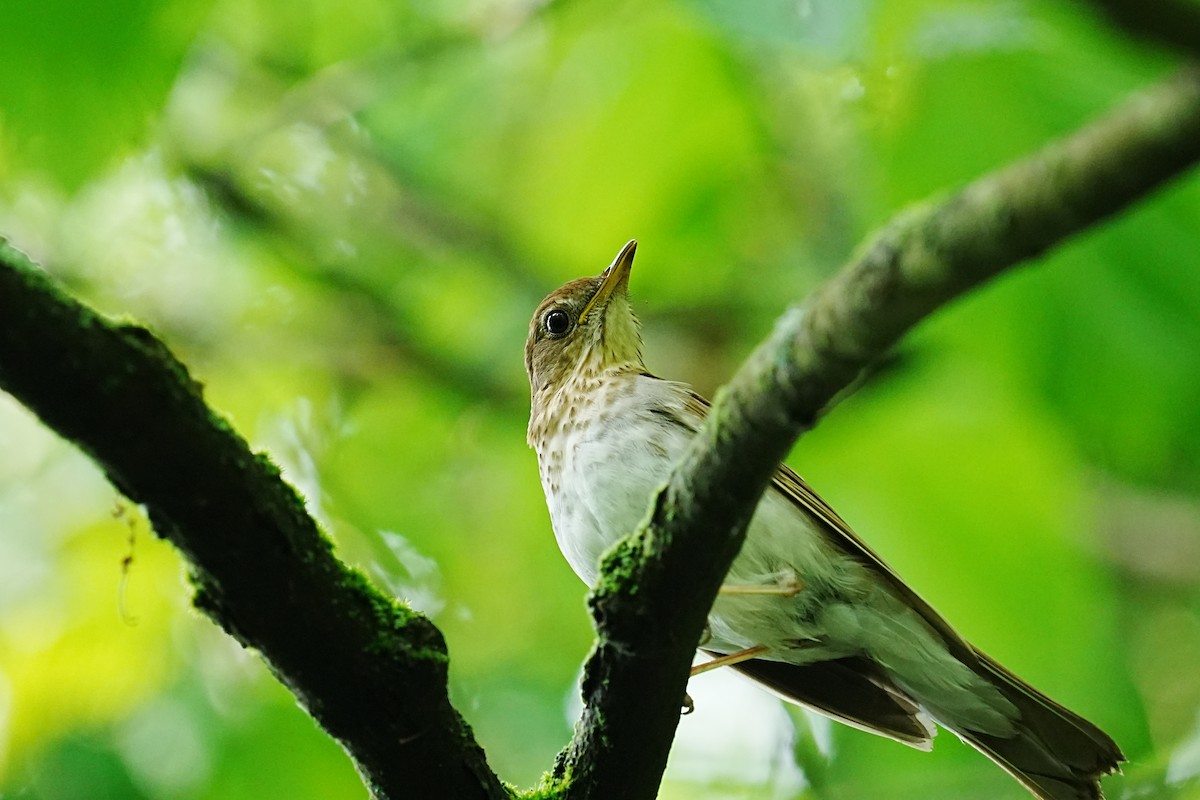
(651, 604)
(371, 672)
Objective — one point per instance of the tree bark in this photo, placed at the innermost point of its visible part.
(372, 672)
(369, 670)
(651, 603)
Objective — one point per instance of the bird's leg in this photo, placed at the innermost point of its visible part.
(689, 705)
(787, 584)
(728, 660)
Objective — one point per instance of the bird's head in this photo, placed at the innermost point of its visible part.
(585, 327)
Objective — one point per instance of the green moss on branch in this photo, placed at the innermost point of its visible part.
(370, 671)
(651, 604)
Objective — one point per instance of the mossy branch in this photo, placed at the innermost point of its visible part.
(373, 673)
(370, 671)
(659, 584)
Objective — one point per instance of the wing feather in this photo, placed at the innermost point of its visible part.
(1054, 753)
(791, 486)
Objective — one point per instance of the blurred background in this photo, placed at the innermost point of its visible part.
(341, 213)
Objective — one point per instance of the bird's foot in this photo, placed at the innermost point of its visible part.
(729, 660)
(689, 705)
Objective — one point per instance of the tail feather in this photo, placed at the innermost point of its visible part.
(1053, 752)
(1056, 754)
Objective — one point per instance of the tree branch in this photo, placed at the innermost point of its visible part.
(370, 671)
(390, 321)
(658, 584)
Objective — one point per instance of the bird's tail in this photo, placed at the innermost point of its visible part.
(1055, 753)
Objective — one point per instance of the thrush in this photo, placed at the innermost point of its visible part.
(809, 610)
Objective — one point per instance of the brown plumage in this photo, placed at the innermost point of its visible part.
(855, 642)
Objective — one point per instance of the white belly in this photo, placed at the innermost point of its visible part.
(606, 476)
(599, 480)
(602, 491)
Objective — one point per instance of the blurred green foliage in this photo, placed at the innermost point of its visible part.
(341, 214)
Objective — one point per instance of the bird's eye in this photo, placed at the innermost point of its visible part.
(557, 322)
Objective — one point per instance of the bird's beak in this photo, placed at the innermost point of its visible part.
(614, 278)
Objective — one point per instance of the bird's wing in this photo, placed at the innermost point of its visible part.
(1054, 752)
(795, 489)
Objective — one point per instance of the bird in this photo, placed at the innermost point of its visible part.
(808, 610)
